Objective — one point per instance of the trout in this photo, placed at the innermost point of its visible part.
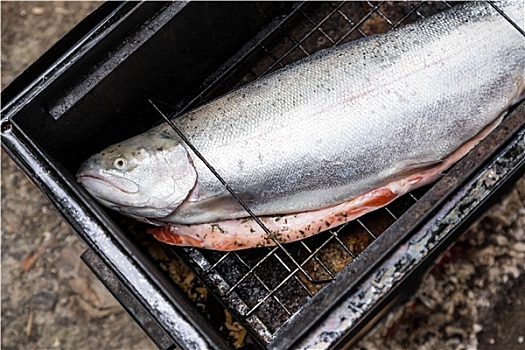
(323, 140)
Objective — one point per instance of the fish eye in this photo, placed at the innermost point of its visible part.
(120, 163)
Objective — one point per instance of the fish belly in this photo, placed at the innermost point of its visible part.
(238, 234)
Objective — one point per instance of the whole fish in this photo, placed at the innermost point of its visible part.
(324, 140)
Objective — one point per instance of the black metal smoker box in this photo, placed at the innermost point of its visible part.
(95, 87)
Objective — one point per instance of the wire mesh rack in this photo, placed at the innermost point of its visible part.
(266, 287)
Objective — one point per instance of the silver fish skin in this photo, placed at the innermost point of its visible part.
(336, 125)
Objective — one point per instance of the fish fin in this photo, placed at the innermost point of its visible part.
(409, 167)
(164, 234)
(206, 209)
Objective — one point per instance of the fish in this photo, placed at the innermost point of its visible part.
(323, 140)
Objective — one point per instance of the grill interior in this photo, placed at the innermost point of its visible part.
(266, 287)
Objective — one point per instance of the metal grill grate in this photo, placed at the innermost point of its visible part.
(265, 287)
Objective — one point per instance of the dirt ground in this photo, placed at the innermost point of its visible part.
(474, 299)
(50, 299)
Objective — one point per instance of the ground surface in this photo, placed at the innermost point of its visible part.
(50, 299)
(474, 299)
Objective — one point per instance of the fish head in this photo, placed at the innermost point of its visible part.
(145, 177)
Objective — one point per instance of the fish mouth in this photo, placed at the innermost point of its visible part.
(102, 186)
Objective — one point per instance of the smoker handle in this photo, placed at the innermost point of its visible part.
(143, 318)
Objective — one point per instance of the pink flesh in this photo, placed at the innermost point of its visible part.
(245, 233)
